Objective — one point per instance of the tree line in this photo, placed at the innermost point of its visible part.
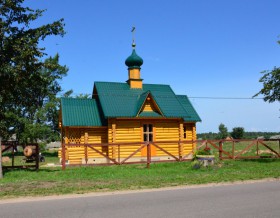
(236, 133)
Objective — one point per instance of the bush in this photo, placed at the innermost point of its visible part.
(205, 151)
(196, 165)
(42, 146)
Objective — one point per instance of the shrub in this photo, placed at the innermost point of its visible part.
(205, 151)
(42, 146)
(196, 165)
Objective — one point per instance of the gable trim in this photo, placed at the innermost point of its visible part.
(147, 96)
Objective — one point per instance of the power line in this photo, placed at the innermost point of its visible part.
(230, 98)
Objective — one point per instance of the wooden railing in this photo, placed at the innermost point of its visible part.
(243, 148)
(224, 149)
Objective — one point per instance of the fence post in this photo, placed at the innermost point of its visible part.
(119, 154)
(63, 156)
(180, 150)
(220, 150)
(86, 152)
(233, 145)
(13, 154)
(1, 172)
(37, 156)
(148, 155)
(257, 147)
(233, 150)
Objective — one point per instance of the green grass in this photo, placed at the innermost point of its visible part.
(54, 181)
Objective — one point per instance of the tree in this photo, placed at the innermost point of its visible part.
(83, 96)
(237, 132)
(39, 119)
(27, 83)
(271, 85)
(223, 131)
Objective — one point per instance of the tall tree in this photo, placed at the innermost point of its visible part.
(223, 131)
(22, 81)
(271, 85)
(237, 132)
(39, 120)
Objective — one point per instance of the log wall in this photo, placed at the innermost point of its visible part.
(190, 134)
(76, 154)
(126, 131)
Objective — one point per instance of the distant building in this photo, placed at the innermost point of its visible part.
(129, 112)
(275, 137)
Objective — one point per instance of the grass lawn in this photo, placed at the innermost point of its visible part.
(54, 181)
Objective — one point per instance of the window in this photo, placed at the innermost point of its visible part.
(185, 132)
(148, 132)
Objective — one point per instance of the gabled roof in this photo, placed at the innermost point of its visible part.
(80, 112)
(119, 100)
(141, 101)
(141, 106)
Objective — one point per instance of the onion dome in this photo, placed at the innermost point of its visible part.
(134, 61)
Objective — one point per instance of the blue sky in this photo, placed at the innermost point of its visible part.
(201, 48)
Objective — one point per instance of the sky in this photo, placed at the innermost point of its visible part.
(201, 48)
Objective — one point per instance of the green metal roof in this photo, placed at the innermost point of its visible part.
(119, 100)
(80, 112)
(193, 115)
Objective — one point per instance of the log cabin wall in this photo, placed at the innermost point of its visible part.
(96, 136)
(189, 132)
(76, 155)
(124, 131)
(167, 130)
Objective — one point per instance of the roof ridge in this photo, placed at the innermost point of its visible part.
(110, 82)
(156, 84)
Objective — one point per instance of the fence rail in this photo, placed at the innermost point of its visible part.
(223, 149)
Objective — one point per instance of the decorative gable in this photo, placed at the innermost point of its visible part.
(149, 106)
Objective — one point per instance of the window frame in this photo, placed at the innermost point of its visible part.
(148, 132)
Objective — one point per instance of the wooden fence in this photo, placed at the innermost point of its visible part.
(243, 148)
(224, 149)
(10, 147)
